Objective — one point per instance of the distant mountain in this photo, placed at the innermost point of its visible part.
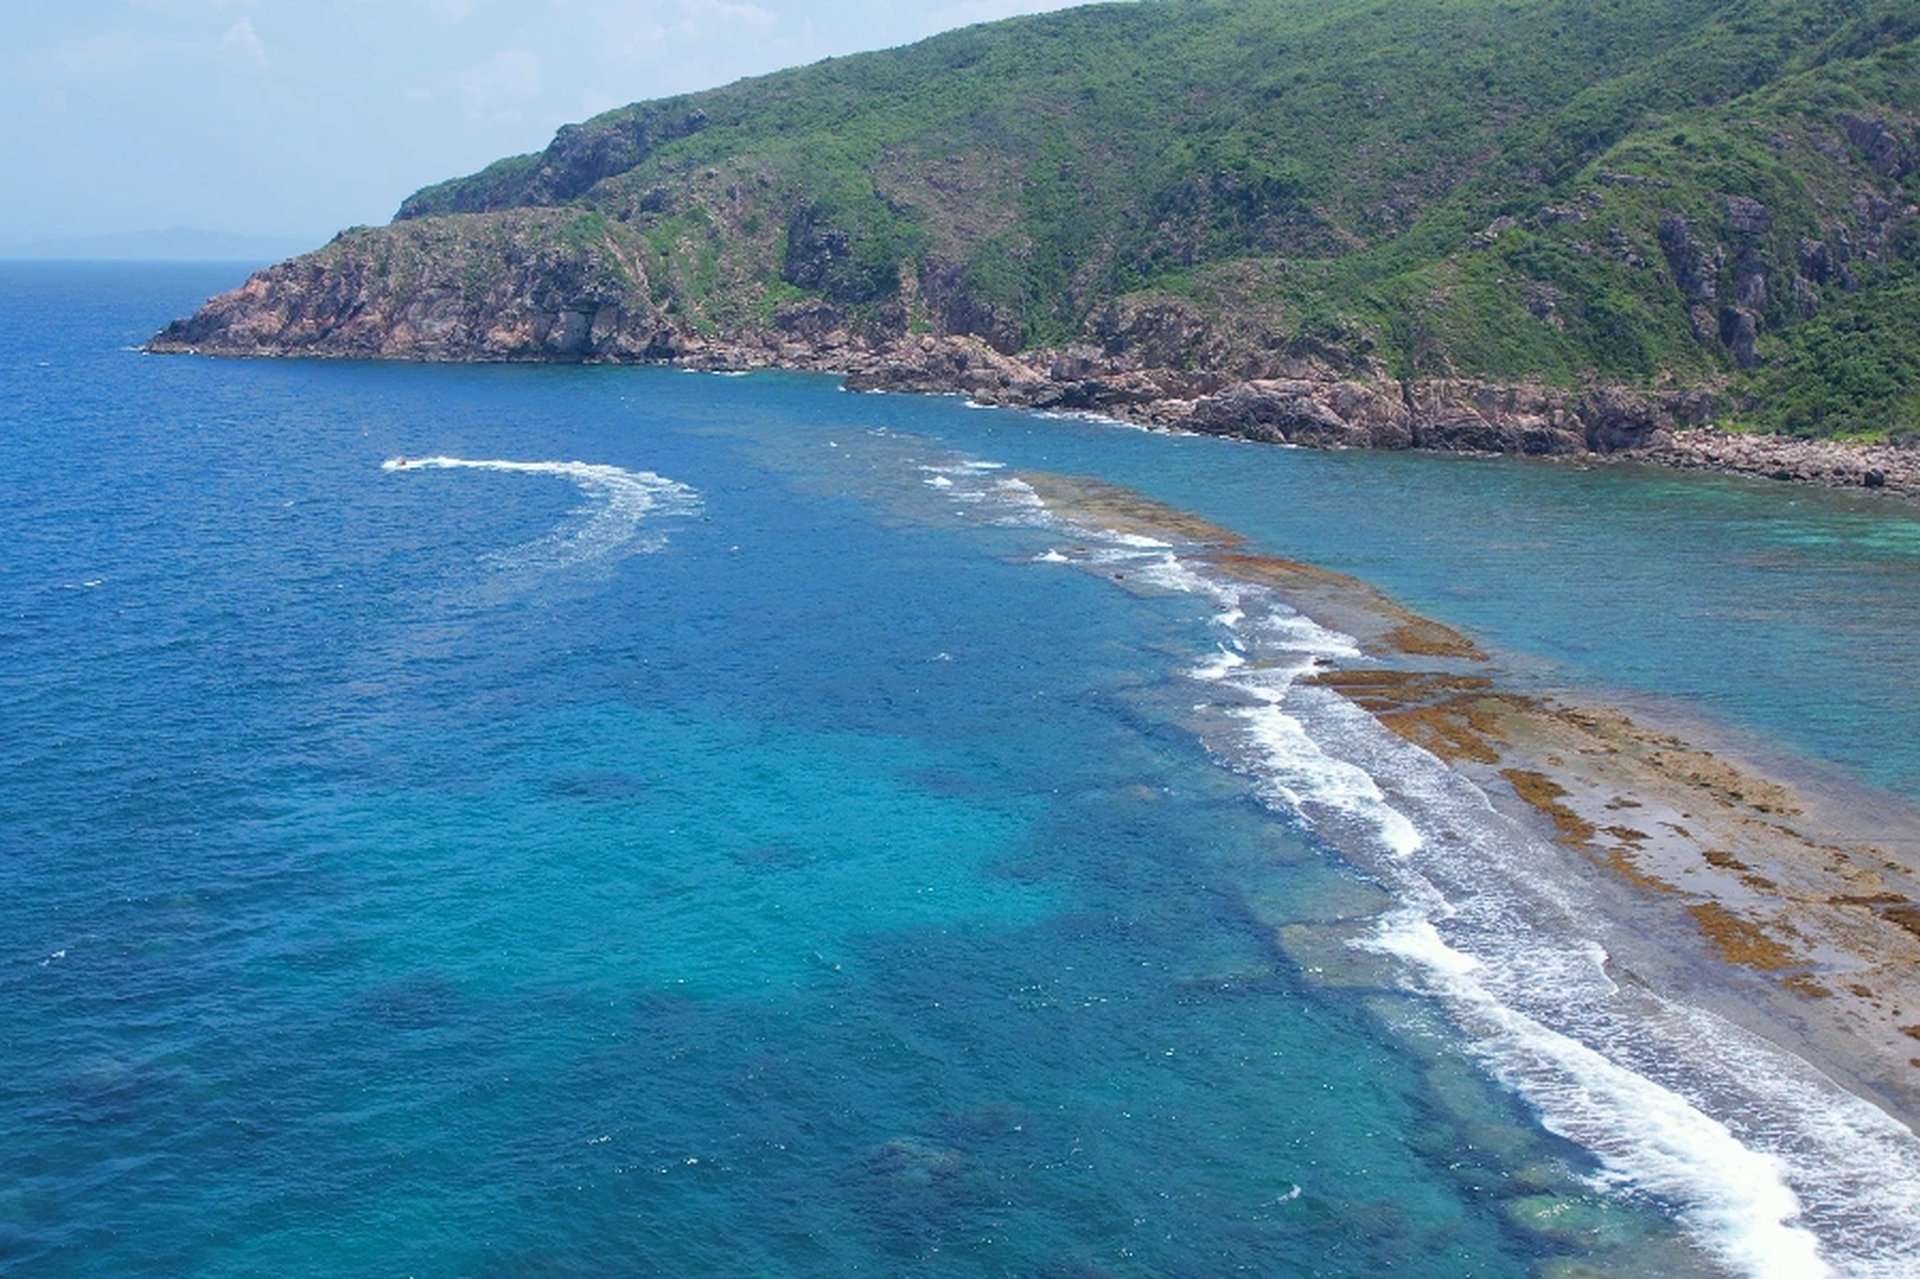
(1535, 224)
(175, 244)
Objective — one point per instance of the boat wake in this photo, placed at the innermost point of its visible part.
(610, 523)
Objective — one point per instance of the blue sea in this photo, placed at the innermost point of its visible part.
(560, 821)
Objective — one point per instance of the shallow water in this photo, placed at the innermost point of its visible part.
(678, 824)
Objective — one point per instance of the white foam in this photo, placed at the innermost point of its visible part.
(1771, 1167)
(1088, 415)
(1318, 785)
(963, 466)
(619, 503)
(1223, 662)
(1649, 1137)
(1017, 496)
(1170, 571)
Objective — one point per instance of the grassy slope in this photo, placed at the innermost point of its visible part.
(1470, 187)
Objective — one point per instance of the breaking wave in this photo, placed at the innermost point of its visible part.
(1770, 1166)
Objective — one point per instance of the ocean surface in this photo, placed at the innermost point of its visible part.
(517, 821)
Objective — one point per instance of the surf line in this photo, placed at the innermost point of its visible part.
(619, 503)
(1770, 1166)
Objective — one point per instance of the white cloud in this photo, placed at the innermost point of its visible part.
(241, 47)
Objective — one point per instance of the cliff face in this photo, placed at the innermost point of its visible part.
(1544, 228)
(512, 285)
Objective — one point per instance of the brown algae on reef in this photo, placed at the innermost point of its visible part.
(1796, 895)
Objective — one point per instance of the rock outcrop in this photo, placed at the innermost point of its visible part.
(1237, 244)
(1773, 457)
(529, 294)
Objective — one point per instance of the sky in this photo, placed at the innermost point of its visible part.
(296, 118)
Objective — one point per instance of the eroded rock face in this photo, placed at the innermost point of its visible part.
(393, 299)
(1324, 412)
(959, 309)
(349, 308)
(557, 285)
(823, 257)
(1695, 267)
(523, 295)
(1449, 415)
(1164, 333)
(1885, 151)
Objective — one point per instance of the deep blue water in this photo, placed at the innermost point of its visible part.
(751, 852)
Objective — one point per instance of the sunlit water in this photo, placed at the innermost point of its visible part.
(520, 821)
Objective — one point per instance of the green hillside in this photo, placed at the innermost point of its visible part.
(1646, 193)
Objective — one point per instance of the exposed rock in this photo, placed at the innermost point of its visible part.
(1160, 332)
(1543, 301)
(540, 299)
(1746, 216)
(959, 309)
(1827, 462)
(1696, 273)
(821, 256)
(1885, 153)
(553, 285)
(1696, 270)
(1613, 420)
(1325, 414)
(1493, 231)
(811, 321)
(1816, 260)
(1740, 332)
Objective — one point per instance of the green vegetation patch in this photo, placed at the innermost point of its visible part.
(1644, 192)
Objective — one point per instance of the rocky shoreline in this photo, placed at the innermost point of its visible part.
(1309, 400)
(1830, 462)
(1317, 406)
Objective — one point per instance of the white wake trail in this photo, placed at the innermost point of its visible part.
(619, 503)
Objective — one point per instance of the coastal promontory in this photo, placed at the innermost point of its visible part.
(1532, 226)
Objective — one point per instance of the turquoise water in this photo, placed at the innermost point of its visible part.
(678, 824)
